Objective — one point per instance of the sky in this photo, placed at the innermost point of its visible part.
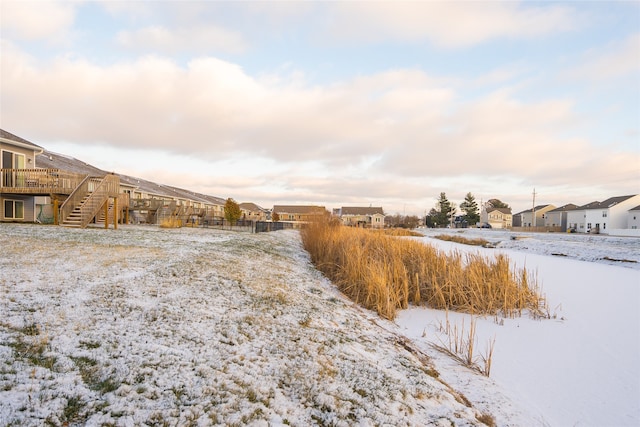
(335, 103)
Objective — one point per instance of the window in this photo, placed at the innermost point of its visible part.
(11, 160)
(604, 214)
(14, 209)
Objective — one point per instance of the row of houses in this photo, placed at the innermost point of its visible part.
(37, 185)
(615, 215)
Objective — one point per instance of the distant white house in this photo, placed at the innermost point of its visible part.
(633, 221)
(612, 214)
(576, 219)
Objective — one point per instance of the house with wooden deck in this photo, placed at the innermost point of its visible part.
(298, 213)
(77, 197)
(366, 217)
(37, 185)
(252, 212)
(147, 202)
(18, 179)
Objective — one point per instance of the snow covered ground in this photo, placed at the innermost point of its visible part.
(582, 367)
(149, 326)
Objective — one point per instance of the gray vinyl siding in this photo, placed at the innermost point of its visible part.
(29, 207)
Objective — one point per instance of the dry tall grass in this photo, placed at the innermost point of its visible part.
(463, 240)
(385, 273)
(171, 222)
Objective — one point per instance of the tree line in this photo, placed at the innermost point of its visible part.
(443, 214)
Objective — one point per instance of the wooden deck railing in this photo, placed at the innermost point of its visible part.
(39, 181)
(90, 195)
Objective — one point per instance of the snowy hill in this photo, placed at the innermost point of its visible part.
(150, 326)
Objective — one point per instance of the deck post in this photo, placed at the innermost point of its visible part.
(106, 214)
(55, 211)
(115, 213)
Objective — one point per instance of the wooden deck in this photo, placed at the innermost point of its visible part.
(38, 181)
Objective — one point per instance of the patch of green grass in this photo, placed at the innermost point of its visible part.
(33, 351)
(90, 373)
(89, 345)
(72, 413)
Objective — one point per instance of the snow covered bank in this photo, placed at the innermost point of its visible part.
(143, 325)
(583, 366)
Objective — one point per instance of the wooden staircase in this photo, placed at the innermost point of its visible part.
(88, 199)
(74, 219)
(100, 216)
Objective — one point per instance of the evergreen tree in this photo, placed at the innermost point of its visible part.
(232, 212)
(443, 211)
(496, 203)
(470, 209)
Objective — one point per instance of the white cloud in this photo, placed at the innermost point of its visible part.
(447, 24)
(617, 59)
(170, 41)
(385, 136)
(37, 20)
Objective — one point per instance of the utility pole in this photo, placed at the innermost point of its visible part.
(533, 209)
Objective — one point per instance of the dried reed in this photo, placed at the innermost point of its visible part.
(461, 239)
(385, 273)
(171, 222)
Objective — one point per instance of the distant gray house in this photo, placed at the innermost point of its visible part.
(529, 219)
(371, 217)
(558, 217)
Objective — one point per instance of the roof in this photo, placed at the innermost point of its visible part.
(610, 202)
(637, 208)
(501, 210)
(537, 208)
(355, 210)
(298, 209)
(589, 205)
(9, 136)
(51, 160)
(251, 207)
(565, 208)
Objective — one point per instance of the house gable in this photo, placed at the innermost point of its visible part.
(612, 213)
(362, 216)
(298, 212)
